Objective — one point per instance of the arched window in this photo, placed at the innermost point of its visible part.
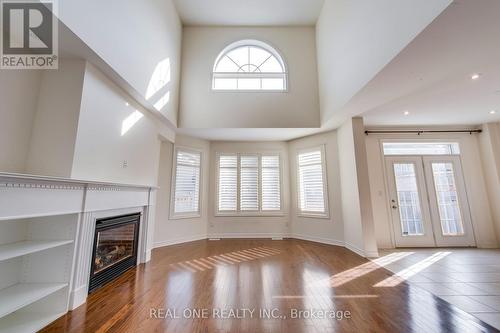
(249, 65)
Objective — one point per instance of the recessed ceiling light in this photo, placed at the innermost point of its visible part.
(406, 113)
(127, 104)
(493, 111)
(475, 76)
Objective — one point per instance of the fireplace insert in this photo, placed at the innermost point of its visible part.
(115, 248)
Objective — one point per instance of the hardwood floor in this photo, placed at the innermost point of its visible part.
(260, 275)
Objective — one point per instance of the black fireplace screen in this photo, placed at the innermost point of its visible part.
(115, 248)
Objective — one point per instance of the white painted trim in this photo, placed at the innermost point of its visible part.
(355, 249)
(319, 240)
(78, 297)
(242, 235)
(180, 240)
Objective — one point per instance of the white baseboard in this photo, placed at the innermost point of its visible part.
(355, 249)
(179, 241)
(487, 246)
(247, 235)
(78, 297)
(319, 240)
(268, 236)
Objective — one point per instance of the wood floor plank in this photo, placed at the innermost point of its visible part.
(263, 275)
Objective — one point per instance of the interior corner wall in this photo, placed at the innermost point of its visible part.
(475, 183)
(489, 141)
(140, 40)
(122, 146)
(19, 91)
(170, 231)
(200, 107)
(55, 124)
(359, 234)
(244, 226)
(331, 230)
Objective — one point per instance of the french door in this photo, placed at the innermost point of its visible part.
(429, 205)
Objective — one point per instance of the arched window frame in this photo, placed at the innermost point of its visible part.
(252, 43)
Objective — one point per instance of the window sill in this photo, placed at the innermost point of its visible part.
(184, 216)
(314, 216)
(251, 214)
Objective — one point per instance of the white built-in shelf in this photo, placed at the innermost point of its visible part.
(13, 250)
(26, 322)
(22, 294)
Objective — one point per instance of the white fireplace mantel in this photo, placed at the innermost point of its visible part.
(28, 198)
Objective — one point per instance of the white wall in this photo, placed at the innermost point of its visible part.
(474, 181)
(54, 128)
(331, 230)
(133, 37)
(489, 142)
(172, 231)
(18, 97)
(248, 227)
(200, 107)
(356, 39)
(100, 147)
(359, 233)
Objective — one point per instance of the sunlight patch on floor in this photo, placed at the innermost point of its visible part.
(230, 258)
(361, 270)
(407, 273)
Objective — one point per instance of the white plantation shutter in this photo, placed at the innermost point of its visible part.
(187, 182)
(311, 182)
(249, 183)
(228, 183)
(271, 191)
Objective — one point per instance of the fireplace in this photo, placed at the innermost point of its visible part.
(115, 248)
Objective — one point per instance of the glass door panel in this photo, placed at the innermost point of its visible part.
(409, 205)
(448, 201)
(410, 212)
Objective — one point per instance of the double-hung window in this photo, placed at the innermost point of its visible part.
(248, 184)
(311, 182)
(186, 184)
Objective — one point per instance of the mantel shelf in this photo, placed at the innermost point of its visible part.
(13, 250)
(20, 295)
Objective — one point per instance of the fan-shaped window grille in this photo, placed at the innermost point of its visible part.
(249, 65)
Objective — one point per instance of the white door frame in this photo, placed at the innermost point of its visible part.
(428, 202)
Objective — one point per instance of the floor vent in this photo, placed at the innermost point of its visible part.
(214, 239)
(277, 238)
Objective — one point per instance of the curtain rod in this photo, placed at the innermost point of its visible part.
(419, 132)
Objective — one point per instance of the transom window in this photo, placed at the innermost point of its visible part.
(421, 148)
(249, 65)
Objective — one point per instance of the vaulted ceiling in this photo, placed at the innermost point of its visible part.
(249, 13)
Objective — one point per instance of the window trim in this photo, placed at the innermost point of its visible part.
(254, 43)
(172, 214)
(309, 214)
(238, 212)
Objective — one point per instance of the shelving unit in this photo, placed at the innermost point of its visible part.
(19, 249)
(27, 322)
(19, 295)
(36, 260)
